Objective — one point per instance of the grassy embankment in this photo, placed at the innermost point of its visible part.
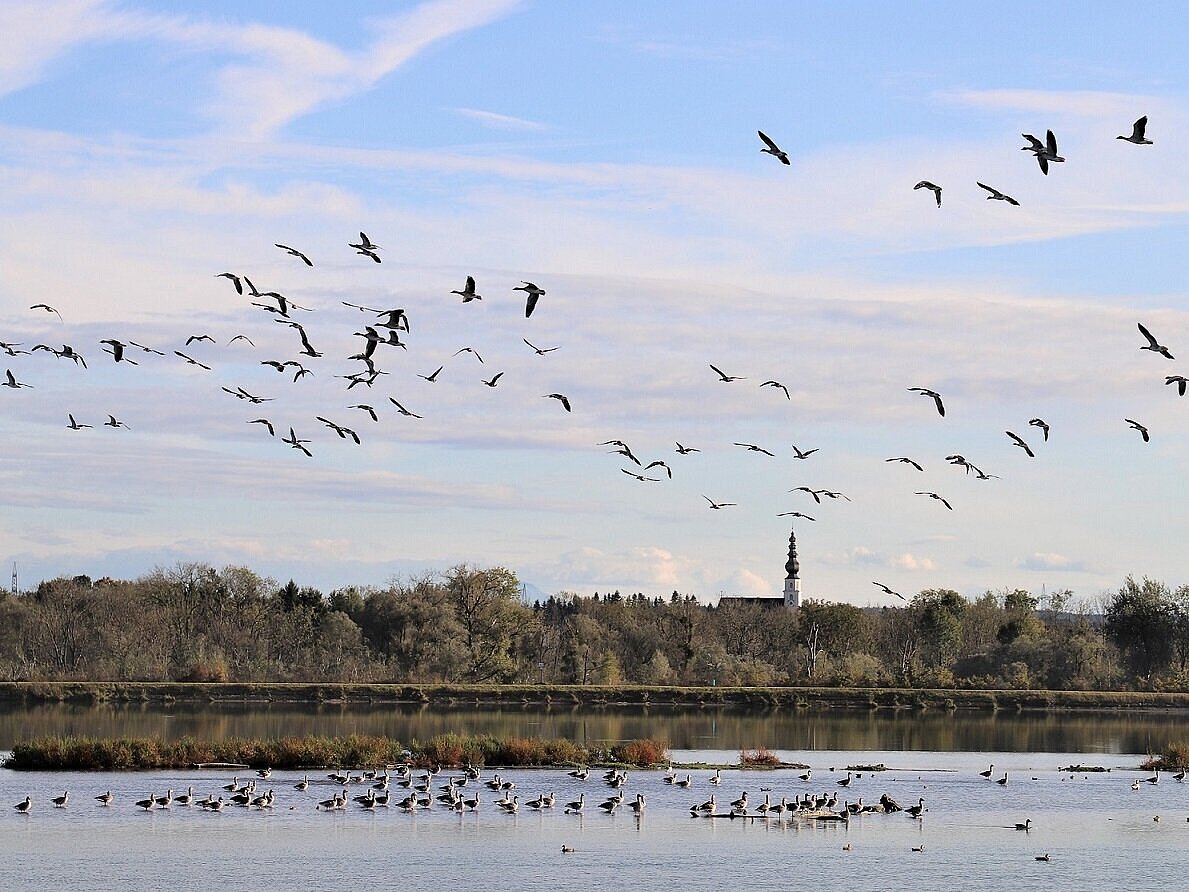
(590, 696)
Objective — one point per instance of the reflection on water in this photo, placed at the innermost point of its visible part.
(685, 730)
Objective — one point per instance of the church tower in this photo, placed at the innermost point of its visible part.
(792, 575)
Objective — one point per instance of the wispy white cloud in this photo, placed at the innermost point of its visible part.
(499, 122)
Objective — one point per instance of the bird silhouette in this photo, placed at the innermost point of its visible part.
(293, 441)
(1043, 425)
(751, 447)
(403, 410)
(1137, 133)
(798, 453)
(296, 253)
(903, 459)
(686, 450)
(1044, 151)
(997, 195)
(772, 148)
(932, 187)
(925, 391)
(1019, 441)
(47, 308)
(468, 292)
(1153, 345)
(366, 408)
(717, 505)
(540, 351)
(796, 514)
(560, 397)
(934, 495)
(1143, 431)
(723, 376)
(533, 294)
(777, 385)
(266, 423)
(888, 591)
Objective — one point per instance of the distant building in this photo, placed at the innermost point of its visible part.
(792, 585)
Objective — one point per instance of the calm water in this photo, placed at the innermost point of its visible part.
(1098, 831)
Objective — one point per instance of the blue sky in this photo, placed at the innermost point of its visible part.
(607, 152)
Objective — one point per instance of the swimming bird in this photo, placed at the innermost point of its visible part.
(1153, 345)
(296, 253)
(795, 514)
(907, 461)
(915, 811)
(105, 798)
(560, 397)
(112, 421)
(716, 505)
(716, 778)
(751, 447)
(722, 376)
(997, 195)
(468, 292)
(23, 807)
(772, 148)
(540, 351)
(60, 801)
(1143, 431)
(191, 360)
(936, 397)
(1043, 425)
(1044, 857)
(686, 450)
(1026, 826)
(47, 308)
(533, 294)
(797, 453)
(932, 187)
(1019, 441)
(777, 385)
(580, 773)
(934, 495)
(1137, 133)
(888, 591)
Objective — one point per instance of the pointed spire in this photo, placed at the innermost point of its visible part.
(792, 568)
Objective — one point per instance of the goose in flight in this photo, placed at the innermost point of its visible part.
(686, 450)
(13, 382)
(470, 350)
(202, 337)
(540, 351)
(191, 360)
(1153, 345)
(1042, 424)
(67, 352)
(343, 432)
(816, 493)
(266, 423)
(1019, 441)
(660, 464)
(11, 349)
(714, 506)
(307, 349)
(796, 514)
(242, 337)
(112, 421)
(296, 253)
(723, 376)
(777, 385)
(398, 319)
(1044, 151)
(797, 453)
(365, 244)
(235, 280)
(625, 451)
(293, 441)
(241, 394)
(1179, 380)
(366, 408)
(1137, 133)
(640, 477)
(1143, 431)
(403, 410)
(433, 376)
(560, 397)
(468, 292)
(888, 591)
(751, 447)
(934, 495)
(932, 187)
(145, 349)
(117, 351)
(494, 379)
(997, 195)
(772, 148)
(47, 308)
(74, 425)
(925, 391)
(533, 293)
(905, 460)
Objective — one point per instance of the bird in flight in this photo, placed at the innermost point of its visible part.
(932, 187)
(714, 506)
(366, 408)
(777, 385)
(202, 337)
(11, 349)
(540, 351)
(934, 495)
(235, 280)
(534, 294)
(112, 421)
(240, 393)
(366, 247)
(751, 447)
(47, 308)
(660, 464)
(686, 450)
(191, 360)
(1137, 133)
(888, 591)
(468, 293)
(797, 453)
(905, 460)
(640, 477)
(433, 376)
(117, 351)
(13, 382)
(306, 348)
(623, 450)
(1044, 151)
(343, 432)
(723, 376)
(266, 423)
(997, 195)
(398, 319)
(772, 148)
(560, 397)
(242, 337)
(795, 514)
(403, 410)
(1042, 424)
(74, 425)
(1019, 441)
(1153, 345)
(1179, 380)
(293, 441)
(145, 349)
(491, 382)
(1143, 431)
(925, 391)
(296, 253)
(470, 350)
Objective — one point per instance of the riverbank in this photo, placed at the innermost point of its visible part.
(748, 700)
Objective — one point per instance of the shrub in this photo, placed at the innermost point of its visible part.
(645, 752)
(760, 757)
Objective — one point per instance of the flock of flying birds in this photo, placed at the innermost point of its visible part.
(389, 328)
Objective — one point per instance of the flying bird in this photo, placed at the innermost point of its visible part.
(47, 308)
(433, 376)
(365, 243)
(640, 477)
(202, 337)
(235, 280)
(1042, 424)
(723, 376)
(293, 441)
(307, 349)
(74, 425)
(816, 493)
(468, 292)
(686, 450)
(660, 464)
(905, 460)
(403, 410)
(266, 423)
(560, 397)
(343, 432)
(1143, 431)
(934, 495)
(797, 453)
(777, 385)
(1044, 151)
(366, 408)
(540, 351)
(242, 337)
(795, 514)
(997, 195)
(751, 447)
(925, 391)
(1137, 133)
(932, 187)
(1153, 345)
(191, 360)
(888, 591)
(470, 350)
(398, 319)
(296, 253)
(494, 379)
(1019, 441)
(1179, 380)
(714, 506)
(772, 148)
(117, 351)
(145, 349)
(534, 294)
(112, 421)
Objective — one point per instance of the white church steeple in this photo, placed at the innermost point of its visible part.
(792, 577)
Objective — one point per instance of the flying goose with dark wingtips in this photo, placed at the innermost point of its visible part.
(293, 441)
(533, 293)
(640, 477)
(403, 410)
(888, 591)
(772, 148)
(191, 360)
(723, 376)
(266, 423)
(1143, 431)
(235, 280)
(296, 253)
(717, 505)
(936, 397)
(1042, 424)
(1153, 345)
(74, 425)
(201, 337)
(343, 432)
(146, 349)
(660, 464)
(816, 493)
(242, 337)
(796, 514)
(751, 447)
(686, 450)
(997, 195)
(903, 459)
(1019, 441)
(540, 351)
(117, 351)
(468, 292)
(305, 341)
(1044, 151)
(778, 386)
(1137, 133)
(47, 308)
(798, 453)
(1179, 380)
(366, 408)
(932, 187)
(432, 376)
(112, 421)
(493, 380)
(560, 397)
(934, 495)
(470, 350)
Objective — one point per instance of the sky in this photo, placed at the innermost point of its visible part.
(607, 152)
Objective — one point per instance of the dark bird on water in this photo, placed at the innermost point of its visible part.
(997, 195)
(1143, 431)
(925, 391)
(772, 148)
(1137, 133)
(1153, 345)
(932, 187)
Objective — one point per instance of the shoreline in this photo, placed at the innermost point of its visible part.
(744, 699)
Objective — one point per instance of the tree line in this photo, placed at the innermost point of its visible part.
(192, 622)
